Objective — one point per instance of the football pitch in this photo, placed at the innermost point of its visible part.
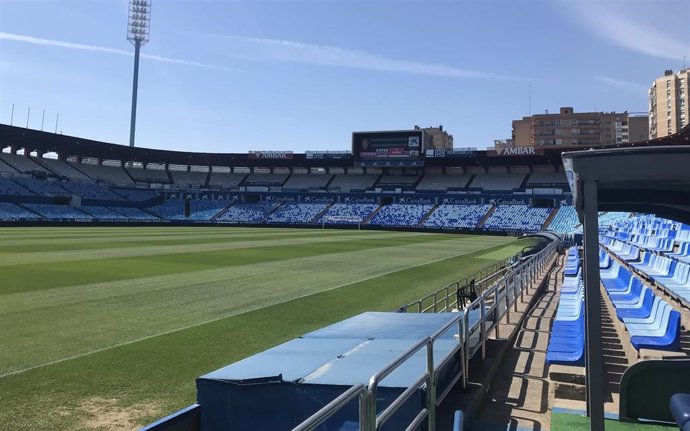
(107, 327)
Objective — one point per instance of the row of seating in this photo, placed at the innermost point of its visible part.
(567, 339)
(651, 322)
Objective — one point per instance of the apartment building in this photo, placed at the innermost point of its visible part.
(668, 103)
(570, 128)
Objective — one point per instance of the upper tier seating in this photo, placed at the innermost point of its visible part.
(58, 212)
(265, 179)
(11, 188)
(64, 169)
(136, 195)
(457, 216)
(506, 182)
(225, 180)
(7, 169)
(565, 221)
(436, 182)
(149, 175)
(15, 212)
(43, 187)
(342, 213)
(397, 180)
(247, 213)
(189, 178)
(307, 181)
(22, 163)
(517, 217)
(567, 339)
(547, 179)
(87, 190)
(297, 212)
(108, 174)
(349, 182)
(401, 214)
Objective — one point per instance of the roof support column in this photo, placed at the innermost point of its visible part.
(594, 355)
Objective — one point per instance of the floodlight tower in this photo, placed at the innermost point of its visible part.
(138, 31)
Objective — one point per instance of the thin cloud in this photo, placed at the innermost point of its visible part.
(251, 48)
(613, 82)
(609, 22)
(95, 48)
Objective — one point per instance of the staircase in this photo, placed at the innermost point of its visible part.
(549, 219)
(486, 217)
(223, 211)
(322, 213)
(427, 215)
(372, 215)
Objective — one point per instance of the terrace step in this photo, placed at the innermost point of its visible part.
(550, 218)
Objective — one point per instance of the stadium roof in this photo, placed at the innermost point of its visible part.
(66, 146)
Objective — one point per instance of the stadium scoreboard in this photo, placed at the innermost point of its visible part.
(389, 149)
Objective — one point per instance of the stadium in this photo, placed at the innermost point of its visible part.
(391, 285)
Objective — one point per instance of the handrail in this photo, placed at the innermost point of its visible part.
(331, 408)
(374, 422)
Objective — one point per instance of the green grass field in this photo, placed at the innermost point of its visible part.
(107, 328)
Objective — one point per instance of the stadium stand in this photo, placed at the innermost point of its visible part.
(565, 221)
(43, 187)
(192, 179)
(307, 182)
(397, 180)
(87, 190)
(457, 216)
(22, 163)
(149, 175)
(355, 212)
(400, 214)
(135, 214)
(567, 339)
(497, 182)
(266, 179)
(517, 217)
(437, 182)
(169, 210)
(137, 195)
(350, 182)
(63, 169)
(202, 210)
(297, 213)
(547, 179)
(226, 180)
(15, 212)
(247, 213)
(11, 188)
(105, 173)
(103, 213)
(6, 169)
(58, 212)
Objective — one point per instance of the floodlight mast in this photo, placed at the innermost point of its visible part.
(138, 32)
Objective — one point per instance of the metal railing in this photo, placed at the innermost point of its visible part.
(492, 305)
(445, 298)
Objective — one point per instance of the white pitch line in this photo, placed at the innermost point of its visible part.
(160, 334)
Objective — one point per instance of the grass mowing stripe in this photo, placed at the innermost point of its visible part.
(136, 237)
(159, 372)
(25, 278)
(79, 319)
(43, 257)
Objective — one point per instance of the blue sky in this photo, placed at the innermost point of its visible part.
(232, 76)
